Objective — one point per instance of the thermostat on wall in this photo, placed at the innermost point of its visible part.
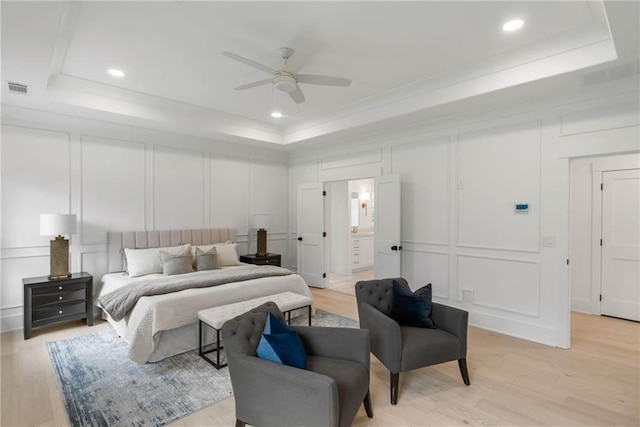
(521, 207)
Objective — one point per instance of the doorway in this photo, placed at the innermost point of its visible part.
(604, 236)
(349, 221)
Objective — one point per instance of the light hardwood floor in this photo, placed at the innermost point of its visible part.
(513, 382)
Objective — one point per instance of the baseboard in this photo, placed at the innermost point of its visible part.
(519, 329)
(11, 319)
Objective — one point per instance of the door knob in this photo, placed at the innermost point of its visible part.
(299, 239)
(394, 248)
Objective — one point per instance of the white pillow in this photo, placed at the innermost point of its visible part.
(141, 262)
(227, 254)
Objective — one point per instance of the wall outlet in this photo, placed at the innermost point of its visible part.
(467, 295)
(460, 184)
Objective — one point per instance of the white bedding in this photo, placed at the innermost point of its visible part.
(153, 315)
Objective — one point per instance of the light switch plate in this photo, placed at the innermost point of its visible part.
(549, 241)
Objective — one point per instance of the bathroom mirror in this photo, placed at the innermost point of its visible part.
(355, 213)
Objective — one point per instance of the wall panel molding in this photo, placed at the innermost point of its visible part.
(499, 286)
(112, 183)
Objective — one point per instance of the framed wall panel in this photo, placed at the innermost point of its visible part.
(229, 194)
(113, 188)
(178, 189)
(270, 194)
(35, 179)
(499, 283)
(424, 170)
(497, 169)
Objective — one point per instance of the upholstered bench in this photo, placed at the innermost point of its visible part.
(216, 316)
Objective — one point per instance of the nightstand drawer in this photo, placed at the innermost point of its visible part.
(61, 288)
(44, 299)
(267, 261)
(61, 310)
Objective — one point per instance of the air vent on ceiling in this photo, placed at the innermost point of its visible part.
(18, 88)
(616, 72)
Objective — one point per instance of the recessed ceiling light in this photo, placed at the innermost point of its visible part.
(276, 114)
(115, 72)
(513, 25)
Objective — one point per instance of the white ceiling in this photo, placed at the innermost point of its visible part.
(404, 58)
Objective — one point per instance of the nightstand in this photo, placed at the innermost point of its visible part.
(57, 300)
(268, 259)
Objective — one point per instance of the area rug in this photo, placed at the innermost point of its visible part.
(102, 387)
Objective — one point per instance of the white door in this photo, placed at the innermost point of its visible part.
(620, 288)
(387, 246)
(310, 211)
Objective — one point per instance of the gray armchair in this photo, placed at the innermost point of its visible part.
(404, 348)
(328, 393)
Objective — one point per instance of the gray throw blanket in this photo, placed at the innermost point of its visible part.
(119, 302)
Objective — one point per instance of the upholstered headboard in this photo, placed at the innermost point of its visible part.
(116, 241)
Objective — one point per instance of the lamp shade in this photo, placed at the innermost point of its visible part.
(57, 224)
(261, 221)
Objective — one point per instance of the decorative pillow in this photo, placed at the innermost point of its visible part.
(204, 248)
(227, 254)
(147, 261)
(176, 263)
(412, 308)
(206, 260)
(281, 344)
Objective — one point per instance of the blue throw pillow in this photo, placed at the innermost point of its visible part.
(281, 344)
(411, 308)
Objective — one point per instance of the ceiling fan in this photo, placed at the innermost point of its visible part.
(287, 81)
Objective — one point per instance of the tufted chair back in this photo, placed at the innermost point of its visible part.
(378, 293)
(246, 329)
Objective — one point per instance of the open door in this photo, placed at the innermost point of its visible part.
(387, 244)
(620, 287)
(310, 211)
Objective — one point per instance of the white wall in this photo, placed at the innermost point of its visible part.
(120, 178)
(460, 181)
(586, 177)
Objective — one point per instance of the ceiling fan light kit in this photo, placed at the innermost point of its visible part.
(286, 81)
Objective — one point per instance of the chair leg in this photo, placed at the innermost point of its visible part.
(240, 423)
(394, 387)
(367, 404)
(462, 363)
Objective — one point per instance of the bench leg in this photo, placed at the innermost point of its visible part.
(203, 353)
(200, 338)
(309, 315)
(218, 347)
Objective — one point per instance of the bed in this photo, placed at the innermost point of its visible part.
(160, 326)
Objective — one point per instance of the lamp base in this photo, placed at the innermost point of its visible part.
(261, 249)
(59, 258)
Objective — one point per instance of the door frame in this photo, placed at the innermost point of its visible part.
(585, 188)
(324, 183)
(597, 179)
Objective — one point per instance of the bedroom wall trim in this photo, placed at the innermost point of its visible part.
(506, 259)
(108, 175)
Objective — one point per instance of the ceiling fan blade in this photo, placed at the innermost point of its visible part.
(254, 84)
(297, 95)
(249, 62)
(323, 80)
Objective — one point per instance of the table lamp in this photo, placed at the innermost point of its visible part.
(58, 225)
(261, 222)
